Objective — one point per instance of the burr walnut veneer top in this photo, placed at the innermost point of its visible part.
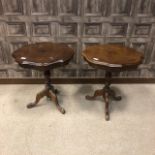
(43, 54)
(111, 55)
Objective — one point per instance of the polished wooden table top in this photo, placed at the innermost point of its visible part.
(111, 55)
(43, 55)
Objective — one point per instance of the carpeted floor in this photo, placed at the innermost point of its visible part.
(83, 129)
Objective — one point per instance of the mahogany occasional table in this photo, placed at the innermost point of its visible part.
(44, 56)
(110, 57)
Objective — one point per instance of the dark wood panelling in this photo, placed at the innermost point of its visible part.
(68, 30)
(41, 29)
(76, 80)
(40, 7)
(69, 7)
(78, 23)
(16, 29)
(122, 7)
(92, 29)
(118, 29)
(12, 7)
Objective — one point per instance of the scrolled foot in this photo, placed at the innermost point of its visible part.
(62, 110)
(31, 105)
(107, 117)
(106, 99)
(96, 93)
(54, 98)
(89, 97)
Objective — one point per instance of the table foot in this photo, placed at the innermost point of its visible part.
(38, 98)
(31, 105)
(54, 98)
(51, 95)
(96, 93)
(106, 93)
(62, 110)
(107, 118)
(106, 99)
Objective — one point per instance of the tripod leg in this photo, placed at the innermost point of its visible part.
(38, 97)
(54, 98)
(96, 93)
(51, 87)
(106, 99)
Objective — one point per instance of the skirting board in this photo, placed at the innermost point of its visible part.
(76, 80)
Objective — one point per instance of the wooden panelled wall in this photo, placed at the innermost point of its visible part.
(78, 23)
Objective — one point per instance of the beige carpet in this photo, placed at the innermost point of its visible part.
(83, 129)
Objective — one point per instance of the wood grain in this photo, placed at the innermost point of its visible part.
(77, 23)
